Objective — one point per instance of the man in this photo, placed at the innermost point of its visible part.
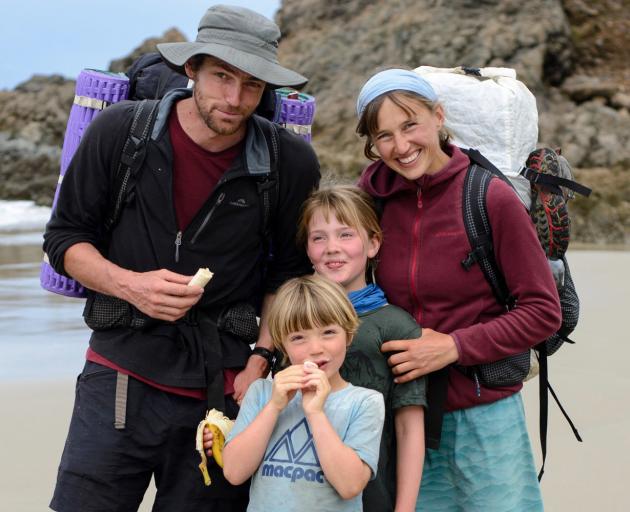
(164, 351)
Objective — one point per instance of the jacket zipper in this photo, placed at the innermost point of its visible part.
(206, 219)
(415, 257)
(178, 242)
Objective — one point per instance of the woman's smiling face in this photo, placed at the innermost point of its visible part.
(409, 142)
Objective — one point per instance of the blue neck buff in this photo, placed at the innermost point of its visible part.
(368, 298)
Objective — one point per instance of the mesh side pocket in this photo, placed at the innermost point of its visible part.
(104, 312)
(505, 372)
(240, 320)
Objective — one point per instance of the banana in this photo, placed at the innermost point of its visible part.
(220, 427)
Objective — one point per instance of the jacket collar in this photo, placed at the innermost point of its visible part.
(380, 181)
(256, 150)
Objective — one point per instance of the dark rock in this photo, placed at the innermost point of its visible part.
(149, 45)
(583, 88)
(567, 52)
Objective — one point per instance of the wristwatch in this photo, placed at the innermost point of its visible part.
(267, 354)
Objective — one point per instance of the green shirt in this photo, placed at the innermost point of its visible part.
(365, 365)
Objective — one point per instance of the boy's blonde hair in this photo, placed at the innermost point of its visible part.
(309, 302)
(351, 205)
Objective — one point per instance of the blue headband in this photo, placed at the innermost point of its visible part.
(393, 80)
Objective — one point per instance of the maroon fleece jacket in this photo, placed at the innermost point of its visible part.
(420, 270)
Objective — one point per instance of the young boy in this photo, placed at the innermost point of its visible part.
(309, 438)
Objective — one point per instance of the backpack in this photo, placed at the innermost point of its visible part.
(542, 179)
(149, 79)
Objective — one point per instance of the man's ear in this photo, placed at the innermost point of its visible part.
(189, 71)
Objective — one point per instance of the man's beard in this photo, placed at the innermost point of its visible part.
(217, 127)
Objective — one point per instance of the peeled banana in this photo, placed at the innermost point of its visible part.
(220, 427)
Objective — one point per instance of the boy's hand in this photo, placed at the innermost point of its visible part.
(207, 442)
(285, 385)
(315, 390)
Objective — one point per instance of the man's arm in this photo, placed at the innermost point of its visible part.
(257, 366)
(160, 294)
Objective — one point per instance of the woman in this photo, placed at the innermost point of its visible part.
(484, 461)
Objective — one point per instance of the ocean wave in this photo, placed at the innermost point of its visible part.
(22, 216)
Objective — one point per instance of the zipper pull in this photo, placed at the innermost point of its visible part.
(419, 194)
(477, 385)
(178, 242)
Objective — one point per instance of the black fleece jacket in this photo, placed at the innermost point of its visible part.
(226, 235)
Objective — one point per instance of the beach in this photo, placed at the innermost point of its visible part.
(40, 358)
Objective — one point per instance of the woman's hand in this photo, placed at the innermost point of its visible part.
(315, 390)
(415, 358)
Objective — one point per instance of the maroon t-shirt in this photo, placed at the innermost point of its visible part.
(196, 171)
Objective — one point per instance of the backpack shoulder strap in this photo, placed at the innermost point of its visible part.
(269, 185)
(131, 158)
(479, 233)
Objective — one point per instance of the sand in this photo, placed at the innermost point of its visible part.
(591, 379)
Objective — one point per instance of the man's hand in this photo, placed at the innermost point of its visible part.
(160, 294)
(415, 358)
(257, 368)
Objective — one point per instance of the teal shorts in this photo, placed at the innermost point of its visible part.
(484, 464)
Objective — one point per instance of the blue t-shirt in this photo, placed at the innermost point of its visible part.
(290, 476)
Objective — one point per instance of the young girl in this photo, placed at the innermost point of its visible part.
(309, 438)
(342, 235)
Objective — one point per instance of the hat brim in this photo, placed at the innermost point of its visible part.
(176, 55)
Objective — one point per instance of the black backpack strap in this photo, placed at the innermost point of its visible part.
(479, 233)
(131, 158)
(437, 388)
(554, 183)
(269, 186)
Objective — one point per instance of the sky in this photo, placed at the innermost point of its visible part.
(66, 36)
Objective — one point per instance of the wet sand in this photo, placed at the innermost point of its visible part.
(590, 377)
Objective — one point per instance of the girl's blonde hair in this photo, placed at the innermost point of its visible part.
(368, 122)
(351, 205)
(309, 302)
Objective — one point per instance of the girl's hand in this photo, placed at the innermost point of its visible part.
(285, 385)
(315, 390)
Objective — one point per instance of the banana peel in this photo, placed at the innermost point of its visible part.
(220, 427)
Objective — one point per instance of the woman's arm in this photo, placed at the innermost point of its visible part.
(409, 424)
(341, 465)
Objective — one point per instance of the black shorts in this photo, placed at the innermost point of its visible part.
(105, 469)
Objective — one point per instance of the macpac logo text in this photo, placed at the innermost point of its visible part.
(278, 471)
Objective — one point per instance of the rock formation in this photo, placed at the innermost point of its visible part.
(572, 54)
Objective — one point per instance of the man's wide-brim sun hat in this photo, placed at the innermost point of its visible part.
(242, 38)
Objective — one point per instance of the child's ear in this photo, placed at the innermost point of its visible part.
(374, 245)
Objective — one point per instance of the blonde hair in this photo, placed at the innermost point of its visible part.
(351, 205)
(309, 302)
(368, 122)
